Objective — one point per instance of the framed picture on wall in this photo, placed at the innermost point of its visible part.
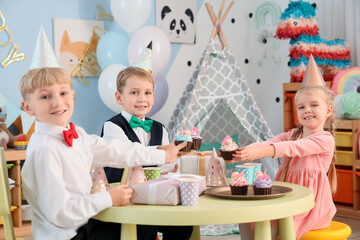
(177, 18)
(73, 40)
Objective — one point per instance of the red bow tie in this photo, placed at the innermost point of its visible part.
(70, 134)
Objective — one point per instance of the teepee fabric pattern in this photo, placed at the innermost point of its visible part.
(218, 102)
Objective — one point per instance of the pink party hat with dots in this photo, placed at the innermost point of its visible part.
(214, 173)
(135, 175)
(44, 55)
(100, 182)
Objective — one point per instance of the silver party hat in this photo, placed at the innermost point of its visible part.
(44, 55)
(145, 59)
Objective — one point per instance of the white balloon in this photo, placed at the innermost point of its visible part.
(130, 14)
(161, 48)
(107, 86)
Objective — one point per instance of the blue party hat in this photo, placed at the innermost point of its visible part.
(145, 59)
(44, 55)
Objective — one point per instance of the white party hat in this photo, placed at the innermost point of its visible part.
(214, 173)
(44, 55)
(145, 59)
(312, 76)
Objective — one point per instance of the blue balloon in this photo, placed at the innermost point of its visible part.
(112, 49)
(161, 91)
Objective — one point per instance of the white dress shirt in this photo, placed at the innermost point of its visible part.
(113, 131)
(56, 178)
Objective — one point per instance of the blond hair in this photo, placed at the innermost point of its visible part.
(128, 72)
(42, 77)
(328, 96)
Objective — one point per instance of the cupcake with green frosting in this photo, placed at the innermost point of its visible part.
(182, 137)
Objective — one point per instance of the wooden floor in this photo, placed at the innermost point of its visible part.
(353, 223)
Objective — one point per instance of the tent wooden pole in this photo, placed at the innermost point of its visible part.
(218, 19)
(213, 19)
(222, 21)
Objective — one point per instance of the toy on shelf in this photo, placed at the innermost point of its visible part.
(298, 23)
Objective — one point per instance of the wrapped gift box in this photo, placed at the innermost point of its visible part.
(162, 191)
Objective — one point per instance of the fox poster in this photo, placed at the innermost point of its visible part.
(72, 42)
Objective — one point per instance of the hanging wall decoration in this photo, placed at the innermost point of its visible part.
(104, 15)
(88, 61)
(14, 54)
(299, 24)
(177, 19)
(74, 41)
(267, 16)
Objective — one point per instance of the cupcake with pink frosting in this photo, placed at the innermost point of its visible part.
(239, 184)
(262, 185)
(228, 148)
(195, 135)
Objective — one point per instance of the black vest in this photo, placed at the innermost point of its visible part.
(115, 174)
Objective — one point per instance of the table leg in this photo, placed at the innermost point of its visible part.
(195, 234)
(286, 228)
(263, 230)
(128, 231)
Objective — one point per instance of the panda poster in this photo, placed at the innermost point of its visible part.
(177, 18)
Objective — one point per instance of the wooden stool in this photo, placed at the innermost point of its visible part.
(336, 231)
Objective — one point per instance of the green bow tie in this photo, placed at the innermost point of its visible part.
(135, 122)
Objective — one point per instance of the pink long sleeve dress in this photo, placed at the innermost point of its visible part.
(311, 158)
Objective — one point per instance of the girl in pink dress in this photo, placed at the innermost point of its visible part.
(308, 155)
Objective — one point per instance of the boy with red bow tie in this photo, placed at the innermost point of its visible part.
(56, 178)
(135, 92)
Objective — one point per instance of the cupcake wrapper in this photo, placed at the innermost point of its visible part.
(197, 143)
(227, 155)
(187, 148)
(262, 191)
(239, 190)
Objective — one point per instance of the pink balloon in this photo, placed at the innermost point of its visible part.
(161, 48)
(161, 91)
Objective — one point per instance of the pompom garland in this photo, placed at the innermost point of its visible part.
(350, 105)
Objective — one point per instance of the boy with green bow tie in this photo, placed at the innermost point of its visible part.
(135, 92)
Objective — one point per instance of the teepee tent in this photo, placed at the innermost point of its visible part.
(218, 101)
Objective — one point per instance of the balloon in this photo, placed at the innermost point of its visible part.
(130, 14)
(161, 91)
(338, 108)
(112, 49)
(107, 86)
(161, 48)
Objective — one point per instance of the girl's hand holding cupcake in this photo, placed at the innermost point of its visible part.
(251, 153)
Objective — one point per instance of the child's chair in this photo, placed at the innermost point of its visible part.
(336, 231)
(5, 200)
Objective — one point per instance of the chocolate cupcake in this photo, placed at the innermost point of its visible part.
(239, 184)
(184, 138)
(228, 147)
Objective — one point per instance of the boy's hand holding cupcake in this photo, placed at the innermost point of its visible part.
(228, 148)
(184, 136)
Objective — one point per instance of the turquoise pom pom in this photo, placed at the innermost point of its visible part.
(350, 105)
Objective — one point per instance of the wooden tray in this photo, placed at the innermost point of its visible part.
(225, 192)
